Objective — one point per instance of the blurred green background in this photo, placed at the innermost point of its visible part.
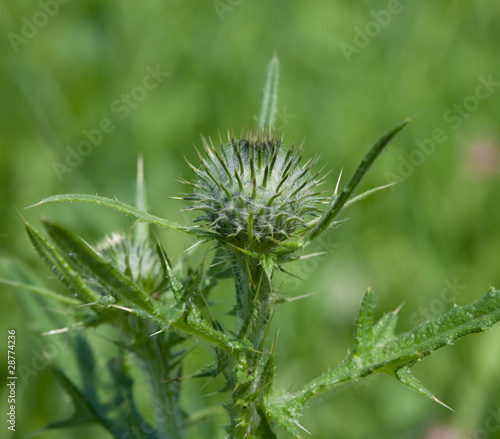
(350, 70)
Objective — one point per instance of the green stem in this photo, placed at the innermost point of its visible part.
(247, 375)
(253, 298)
(326, 382)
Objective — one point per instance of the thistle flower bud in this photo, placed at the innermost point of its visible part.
(255, 194)
(137, 259)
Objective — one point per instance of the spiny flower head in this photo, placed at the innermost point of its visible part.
(255, 194)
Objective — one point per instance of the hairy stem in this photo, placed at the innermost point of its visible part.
(248, 376)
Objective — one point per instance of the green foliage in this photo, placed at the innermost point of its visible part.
(379, 349)
(269, 105)
(260, 207)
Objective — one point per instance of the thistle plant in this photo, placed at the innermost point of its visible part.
(259, 206)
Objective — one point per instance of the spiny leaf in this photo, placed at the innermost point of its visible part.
(270, 96)
(210, 370)
(286, 418)
(367, 194)
(41, 291)
(59, 265)
(159, 320)
(268, 263)
(136, 213)
(267, 376)
(194, 279)
(86, 411)
(445, 330)
(121, 380)
(197, 327)
(363, 335)
(390, 354)
(339, 201)
(385, 327)
(175, 284)
(264, 430)
(406, 378)
(87, 260)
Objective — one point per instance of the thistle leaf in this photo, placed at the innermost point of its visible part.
(264, 429)
(339, 201)
(406, 378)
(270, 97)
(136, 213)
(59, 266)
(285, 418)
(445, 330)
(392, 354)
(174, 283)
(41, 291)
(268, 263)
(267, 377)
(84, 412)
(363, 335)
(87, 411)
(87, 260)
(198, 328)
(367, 194)
(384, 329)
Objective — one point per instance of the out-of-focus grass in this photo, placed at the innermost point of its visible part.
(438, 225)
